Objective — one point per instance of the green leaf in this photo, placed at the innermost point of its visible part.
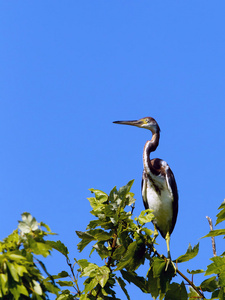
(111, 209)
(122, 284)
(59, 246)
(22, 290)
(149, 232)
(133, 257)
(176, 292)
(11, 242)
(216, 232)
(195, 271)
(103, 275)
(65, 295)
(90, 270)
(135, 279)
(119, 252)
(100, 234)
(90, 284)
(102, 251)
(130, 199)
(158, 277)
(96, 275)
(45, 226)
(217, 267)
(13, 271)
(37, 287)
(210, 284)
(15, 257)
(50, 286)
(221, 214)
(193, 294)
(62, 274)
(28, 224)
(93, 224)
(191, 253)
(20, 269)
(86, 239)
(113, 195)
(125, 189)
(84, 297)
(4, 283)
(153, 284)
(146, 216)
(40, 248)
(219, 294)
(83, 263)
(14, 291)
(222, 294)
(65, 283)
(159, 265)
(99, 195)
(91, 235)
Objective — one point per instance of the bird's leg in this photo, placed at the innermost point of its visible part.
(167, 238)
(168, 261)
(155, 234)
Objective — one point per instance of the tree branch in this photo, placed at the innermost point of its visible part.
(212, 238)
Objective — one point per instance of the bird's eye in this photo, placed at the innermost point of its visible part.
(147, 121)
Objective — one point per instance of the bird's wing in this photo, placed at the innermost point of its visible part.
(171, 182)
(144, 190)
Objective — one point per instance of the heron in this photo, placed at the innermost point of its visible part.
(159, 188)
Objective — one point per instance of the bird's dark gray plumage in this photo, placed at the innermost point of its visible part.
(159, 189)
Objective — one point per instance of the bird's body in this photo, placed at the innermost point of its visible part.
(158, 196)
(159, 189)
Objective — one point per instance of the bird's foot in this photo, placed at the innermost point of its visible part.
(168, 262)
(155, 234)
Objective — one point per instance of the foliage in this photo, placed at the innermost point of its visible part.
(122, 242)
(20, 276)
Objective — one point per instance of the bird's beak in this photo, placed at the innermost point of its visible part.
(137, 123)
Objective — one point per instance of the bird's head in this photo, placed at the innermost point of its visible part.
(147, 123)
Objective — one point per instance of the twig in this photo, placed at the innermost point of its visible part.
(212, 238)
(113, 246)
(185, 278)
(132, 208)
(191, 284)
(74, 277)
(112, 251)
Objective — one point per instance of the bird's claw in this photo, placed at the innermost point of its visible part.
(168, 262)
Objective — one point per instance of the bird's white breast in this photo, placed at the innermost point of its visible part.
(160, 201)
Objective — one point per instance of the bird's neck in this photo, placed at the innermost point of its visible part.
(149, 147)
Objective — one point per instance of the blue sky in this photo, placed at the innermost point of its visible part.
(69, 69)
